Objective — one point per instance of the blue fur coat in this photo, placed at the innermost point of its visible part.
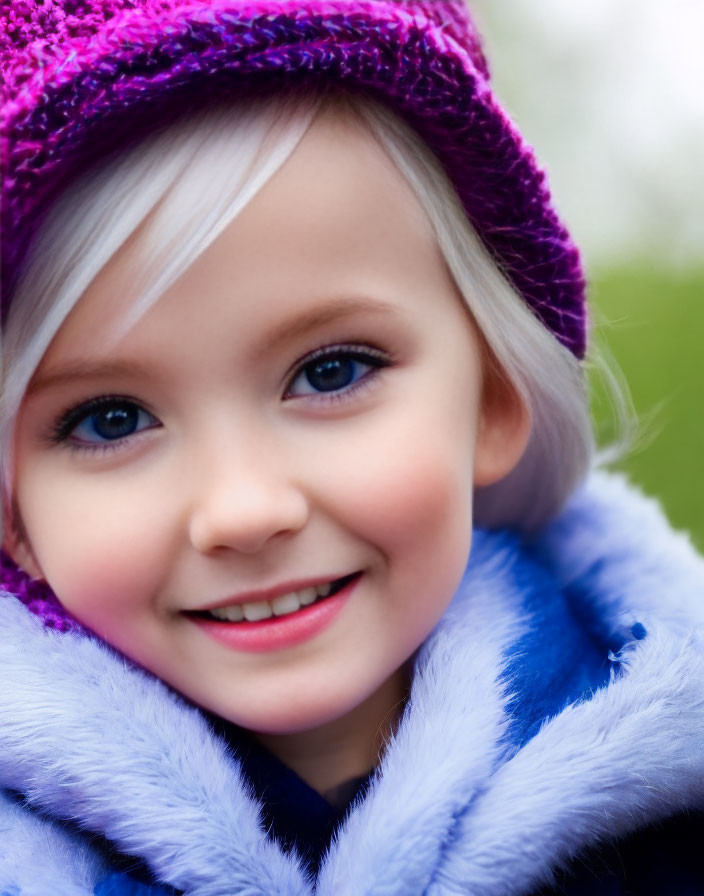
(557, 706)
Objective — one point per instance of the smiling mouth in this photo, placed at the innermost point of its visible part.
(283, 605)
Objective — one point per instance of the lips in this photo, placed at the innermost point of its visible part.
(277, 632)
(284, 604)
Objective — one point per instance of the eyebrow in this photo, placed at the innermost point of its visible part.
(84, 370)
(333, 311)
(285, 331)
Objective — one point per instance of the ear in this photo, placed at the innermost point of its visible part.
(504, 429)
(16, 544)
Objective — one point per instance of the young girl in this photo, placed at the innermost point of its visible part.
(289, 325)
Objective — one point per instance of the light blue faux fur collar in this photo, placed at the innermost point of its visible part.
(448, 812)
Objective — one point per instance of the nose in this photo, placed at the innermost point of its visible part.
(243, 503)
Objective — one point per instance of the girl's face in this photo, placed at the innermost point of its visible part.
(304, 405)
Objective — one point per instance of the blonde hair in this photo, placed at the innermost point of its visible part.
(165, 188)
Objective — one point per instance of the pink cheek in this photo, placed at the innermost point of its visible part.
(101, 594)
(416, 516)
(93, 574)
(418, 498)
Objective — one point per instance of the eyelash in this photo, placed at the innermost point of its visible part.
(70, 419)
(363, 354)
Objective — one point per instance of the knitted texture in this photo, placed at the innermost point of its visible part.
(37, 596)
(81, 75)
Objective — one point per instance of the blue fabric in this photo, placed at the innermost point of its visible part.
(294, 814)
(560, 660)
(124, 885)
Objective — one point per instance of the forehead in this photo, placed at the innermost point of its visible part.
(337, 220)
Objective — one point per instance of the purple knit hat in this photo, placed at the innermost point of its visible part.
(81, 75)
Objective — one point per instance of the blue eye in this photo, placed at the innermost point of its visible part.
(102, 421)
(334, 370)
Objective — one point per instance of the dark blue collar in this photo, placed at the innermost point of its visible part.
(294, 814)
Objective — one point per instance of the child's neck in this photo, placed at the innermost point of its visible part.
(347, 748)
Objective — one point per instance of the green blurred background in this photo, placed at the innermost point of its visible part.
(652, 321)
(609, 93)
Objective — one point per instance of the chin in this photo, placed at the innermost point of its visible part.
(285, 721)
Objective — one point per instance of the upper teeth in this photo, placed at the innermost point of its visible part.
(279, 606)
